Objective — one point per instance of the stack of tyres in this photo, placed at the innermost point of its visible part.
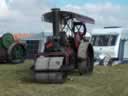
(11, 50)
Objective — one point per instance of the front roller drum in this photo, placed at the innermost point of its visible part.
(53, 77)
(49, 70)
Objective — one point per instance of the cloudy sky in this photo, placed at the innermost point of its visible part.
(25, 15)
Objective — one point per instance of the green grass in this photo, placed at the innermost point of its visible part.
(16, 80)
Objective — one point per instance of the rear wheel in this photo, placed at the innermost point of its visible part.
(86, 65)
(7, 40)
(16, 53)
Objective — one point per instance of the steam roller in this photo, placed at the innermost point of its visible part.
(66, 50)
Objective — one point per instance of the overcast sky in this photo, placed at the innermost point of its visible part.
(25, 15)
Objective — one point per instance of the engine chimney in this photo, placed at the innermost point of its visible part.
(56, 21)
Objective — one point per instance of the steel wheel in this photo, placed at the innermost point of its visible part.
(16, 53)
(87, 64)
(7, 40)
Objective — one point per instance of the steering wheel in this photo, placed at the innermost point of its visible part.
(78, 33)
(77, 28)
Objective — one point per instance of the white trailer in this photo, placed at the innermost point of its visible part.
(110, 45)
(88, 36)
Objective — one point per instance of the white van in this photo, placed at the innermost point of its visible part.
(110, 45)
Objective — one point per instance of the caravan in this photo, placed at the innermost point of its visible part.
(110, 45)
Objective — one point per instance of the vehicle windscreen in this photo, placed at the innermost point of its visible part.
(104, 40)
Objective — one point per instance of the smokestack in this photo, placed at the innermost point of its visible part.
(56, 21)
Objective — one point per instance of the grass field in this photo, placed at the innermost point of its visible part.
(16, 80)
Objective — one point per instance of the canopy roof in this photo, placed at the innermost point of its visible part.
(68, 15)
